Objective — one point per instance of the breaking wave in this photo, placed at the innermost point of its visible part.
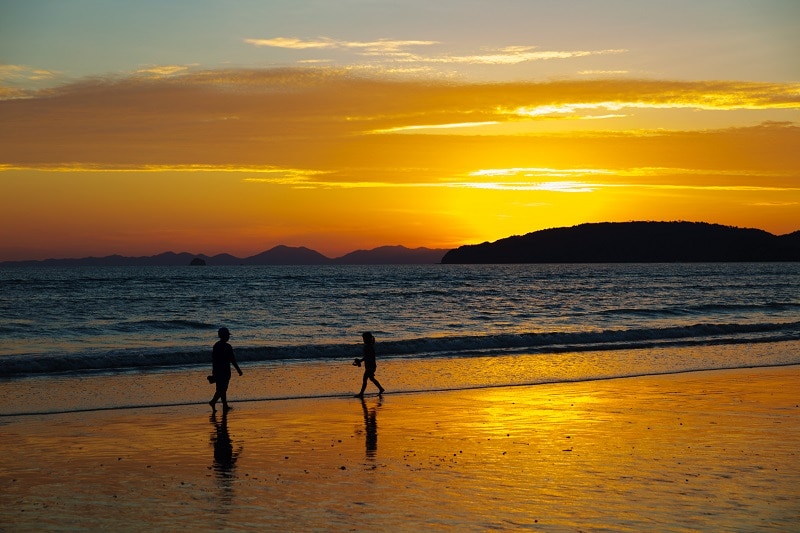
(448, 346)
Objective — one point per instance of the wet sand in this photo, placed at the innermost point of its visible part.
(700, 451)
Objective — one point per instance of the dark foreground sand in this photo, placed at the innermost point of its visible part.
(703, 451)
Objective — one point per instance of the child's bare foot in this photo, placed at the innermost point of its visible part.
(213, 406)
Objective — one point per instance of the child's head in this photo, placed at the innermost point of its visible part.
(368, 338)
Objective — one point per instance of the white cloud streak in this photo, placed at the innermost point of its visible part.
(516, 55)
(397, 49)
(159, 71)
(11, 73)
(381, 45)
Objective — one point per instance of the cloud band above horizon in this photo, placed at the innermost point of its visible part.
(479, 160)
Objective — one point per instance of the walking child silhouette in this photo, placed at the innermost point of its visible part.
(370, 364)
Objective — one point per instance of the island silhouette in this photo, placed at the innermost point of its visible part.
(634, 242)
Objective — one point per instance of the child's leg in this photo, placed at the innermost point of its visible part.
(224, 399)
(214, 401)
(222, 393)
(375, 381)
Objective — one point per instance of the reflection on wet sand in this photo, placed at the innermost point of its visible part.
(224, 464)
(371, 427)
(700, 451)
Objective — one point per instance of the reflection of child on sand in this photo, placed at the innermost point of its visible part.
(370, 365)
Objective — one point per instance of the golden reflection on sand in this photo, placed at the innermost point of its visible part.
(696, 451)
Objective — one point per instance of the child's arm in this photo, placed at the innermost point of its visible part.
(235, 365)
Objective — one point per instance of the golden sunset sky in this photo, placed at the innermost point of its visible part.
(136, 128)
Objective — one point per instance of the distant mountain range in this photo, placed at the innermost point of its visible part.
(634, 242)
(279, 255)
(608, 242)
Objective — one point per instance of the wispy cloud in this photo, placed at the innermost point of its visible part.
(516, 54)
(456, 125)
(775, 204)
(399, 50)
(379, 46)
(280, 172)
(579, 180)
(555, 180)
(292, 43)
(538, 171)
(700, 96)
(588, 187)
(558, 180)
(603, 72)
(11, 73)
(21, 81)
(646, 172)
(162, 70)
(323, 120)
(546, 186)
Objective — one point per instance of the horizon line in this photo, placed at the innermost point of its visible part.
(411, 249)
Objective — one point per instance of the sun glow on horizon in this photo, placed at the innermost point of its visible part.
(362, 127)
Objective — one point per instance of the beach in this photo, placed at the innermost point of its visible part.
(695, 451)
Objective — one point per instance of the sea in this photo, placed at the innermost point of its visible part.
(88, 338)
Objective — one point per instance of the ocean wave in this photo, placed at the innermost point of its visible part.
(450, 346)
(702, 309)
(162, 325)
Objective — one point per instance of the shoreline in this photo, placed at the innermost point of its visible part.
(347, 395)
(698, 450)
(86, 392)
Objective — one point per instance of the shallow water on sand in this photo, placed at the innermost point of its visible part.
(330, 378)
(706, 451)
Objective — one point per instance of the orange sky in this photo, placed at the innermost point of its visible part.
(338, 158)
